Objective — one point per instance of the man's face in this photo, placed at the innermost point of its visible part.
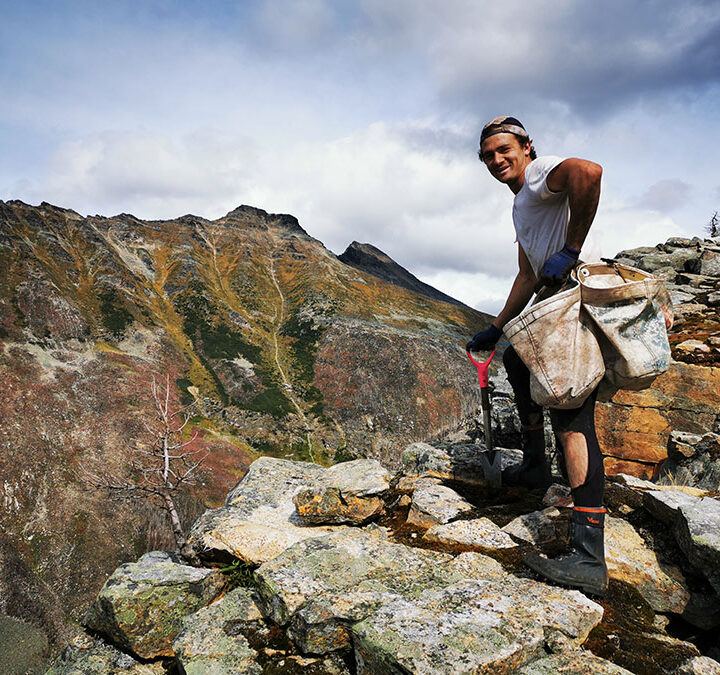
(506, 158)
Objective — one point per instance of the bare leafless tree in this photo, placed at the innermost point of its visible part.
(713, 226)
(160, 468)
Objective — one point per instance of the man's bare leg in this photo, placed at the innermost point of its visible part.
(576, 456)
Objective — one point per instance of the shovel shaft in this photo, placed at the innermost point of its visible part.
(487, 426)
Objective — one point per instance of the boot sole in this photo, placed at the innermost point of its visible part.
(590, 589)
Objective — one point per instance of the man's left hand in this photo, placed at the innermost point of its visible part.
(558, 266)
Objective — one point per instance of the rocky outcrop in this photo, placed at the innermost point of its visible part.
(635, 428)
(396, 602)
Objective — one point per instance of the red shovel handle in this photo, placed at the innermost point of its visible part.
(482, 368)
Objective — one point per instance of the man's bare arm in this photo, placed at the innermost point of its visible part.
(520, 293)
(580, 179)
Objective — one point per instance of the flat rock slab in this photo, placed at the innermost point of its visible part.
(86, 655)
(697, 531)
(415, 610)
(629, 560)
(207, 643)
(464, 462)
(259, 520)
(573, 663)
(536, 527)
(350, 492)
(665, 504)
(479, 533)
(436, 504)
(141, 606)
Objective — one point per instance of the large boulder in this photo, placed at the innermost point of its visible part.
(259, 519)
(414, 610)
(141, 606)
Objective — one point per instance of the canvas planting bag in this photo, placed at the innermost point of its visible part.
(625, 305)
(555, 340)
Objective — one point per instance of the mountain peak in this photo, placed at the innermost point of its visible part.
(372, 260)
(254, 217)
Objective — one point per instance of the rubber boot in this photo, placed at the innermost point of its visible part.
(534, 471)
(584, 567)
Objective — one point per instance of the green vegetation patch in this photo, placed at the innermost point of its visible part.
(115, 316)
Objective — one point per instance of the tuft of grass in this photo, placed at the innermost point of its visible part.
(239, 573)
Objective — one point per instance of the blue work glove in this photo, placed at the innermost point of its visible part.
(558, 266)
(485, 340)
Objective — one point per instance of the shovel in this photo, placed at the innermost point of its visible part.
(490, 460)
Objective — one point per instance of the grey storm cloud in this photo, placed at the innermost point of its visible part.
(665, 195)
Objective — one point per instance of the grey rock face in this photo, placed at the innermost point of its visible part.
(436, 504)
(665, 504)
(141, 606)
(697, 531)
(208, 645)
(413, 610)
(259, 519)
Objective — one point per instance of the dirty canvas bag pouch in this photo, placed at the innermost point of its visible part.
(554, 338)
(625, 304)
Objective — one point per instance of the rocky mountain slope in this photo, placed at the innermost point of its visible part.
(278, 347)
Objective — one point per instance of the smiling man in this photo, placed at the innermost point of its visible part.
(554, 207)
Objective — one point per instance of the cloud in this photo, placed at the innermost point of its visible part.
(665, 195)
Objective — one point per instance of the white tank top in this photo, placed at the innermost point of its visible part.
(541, 217)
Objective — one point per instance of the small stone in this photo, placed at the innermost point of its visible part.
(481, 533)
(682, 444)
(558, 495)
(435, 505)
(536, 527)
(692, 346)
(713, 299)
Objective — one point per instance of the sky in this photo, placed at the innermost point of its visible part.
(362, 118)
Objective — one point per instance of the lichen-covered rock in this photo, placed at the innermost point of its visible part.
(479, 533)
(86, 655)
(436, 504)
(558, 495)
(350, 492)
(207, 643)
(259, 519)
(414, 610)
(629, 560)
(572, 663)
(536, 527)
(697, 530)
(482, 625)
(141, 606)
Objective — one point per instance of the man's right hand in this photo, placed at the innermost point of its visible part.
(485, 340)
